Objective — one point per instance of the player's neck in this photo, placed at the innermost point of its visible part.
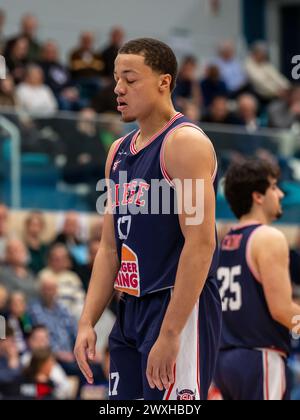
(254, 218)
(153, 122)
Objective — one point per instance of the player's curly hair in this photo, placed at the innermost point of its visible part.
(158, 56)
(245, 178)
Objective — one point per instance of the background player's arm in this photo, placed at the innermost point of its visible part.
(188, 155)
(101, 287)
(270, 255)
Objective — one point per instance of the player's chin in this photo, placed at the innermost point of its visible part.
(127, 118)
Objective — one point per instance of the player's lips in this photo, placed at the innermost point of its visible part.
(121, 104)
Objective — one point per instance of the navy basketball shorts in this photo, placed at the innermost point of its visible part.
(246, 374)
(136, 330)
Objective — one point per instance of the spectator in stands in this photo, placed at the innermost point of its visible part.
(37, 376)
(84, 61)
(3, 230)
(7, 92)
(285, 112)
(3, 301)
(96, 229)
(187, 84)
(19, 320)
(14, 275)
(10, 365)
(29, 26)
(17, 59)
(192, 111)
(212, 85)
(58, 78)
(266, 80)
(33, 95)
(110, 53)
(85, 271)
(70, 234)
(231, 69)
(49, 312)
(219, 112)
(85, 153)
(70, 291)
(105, 100)
(247, 111)
(34, 228)
(2, 36)
(39, 340)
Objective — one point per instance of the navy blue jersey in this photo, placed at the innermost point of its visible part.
(150, 241)
(247, 321)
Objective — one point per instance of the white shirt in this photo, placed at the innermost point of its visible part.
(37, 100)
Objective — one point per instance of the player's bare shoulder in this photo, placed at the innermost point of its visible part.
(189, 144)
(268, 239)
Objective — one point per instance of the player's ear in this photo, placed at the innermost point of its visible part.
(165, 82)
(257, 197)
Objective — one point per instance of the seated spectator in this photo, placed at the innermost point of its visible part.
(285, 112)
(192, 112)
(3, 301)
(212, 85)
(33, 95)
(70, 291)
(36, 380)
(70, 234)
(105, 100)
(34, 229)
(187, 84)
(110, 53)
(3, 231)
(29, 25)
(17, 59)
(247, 110)
(14, 275)
(231, 69)
(19, 320)
(219, 112)
(7, 92)
(85, 152)
(265, 79)
(86, 66)
(2, 36)
(39, 340)
(96, 229)
(85, 271)
(58, 78)
(62, 328)
(10, 365)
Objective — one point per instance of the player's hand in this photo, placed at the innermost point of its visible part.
(161, 362)
(85, 350)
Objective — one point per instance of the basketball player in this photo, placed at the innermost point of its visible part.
(253, 275)
(165, 340)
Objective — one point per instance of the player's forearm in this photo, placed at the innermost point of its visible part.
(287, 315)
(193, 267)
(101, 288)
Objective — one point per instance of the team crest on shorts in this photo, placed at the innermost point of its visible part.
(186, 394)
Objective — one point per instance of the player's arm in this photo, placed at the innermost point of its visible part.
(188, 155)
(270, 255)
(101, 288)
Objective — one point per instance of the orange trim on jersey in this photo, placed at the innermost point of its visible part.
(162, 158)
(133, 149)
(132, 292)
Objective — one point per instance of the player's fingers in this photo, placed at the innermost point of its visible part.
(164, 378)
(156, 378)
(149, 376)
(171, 372)
(80, 354)
(91, 348)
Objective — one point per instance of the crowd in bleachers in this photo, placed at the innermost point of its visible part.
(42, 291)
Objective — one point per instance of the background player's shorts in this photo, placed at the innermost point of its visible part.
(246, 374)
(134, 334)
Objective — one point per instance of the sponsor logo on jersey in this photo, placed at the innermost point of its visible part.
(128, 277)
(186, 394)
